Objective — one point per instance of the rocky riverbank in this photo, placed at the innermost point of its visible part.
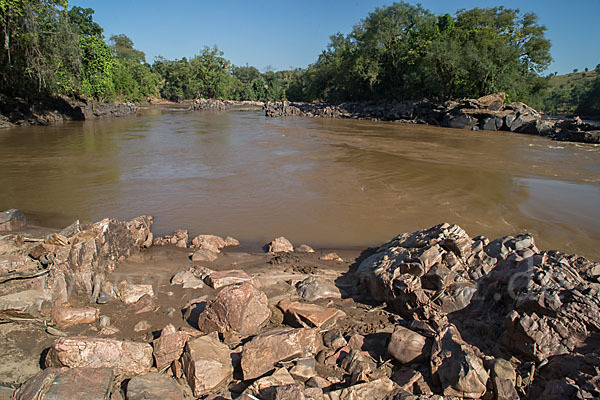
(224, 105)
(428, 314)
(18, 112)
(488, 113)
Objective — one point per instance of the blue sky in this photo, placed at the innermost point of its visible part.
(282, 34)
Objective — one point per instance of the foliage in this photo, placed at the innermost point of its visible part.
(83, 20)
(97, 68)
(404, 51)
(589, 104)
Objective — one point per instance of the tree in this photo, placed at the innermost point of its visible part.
(97, 68)
(82, 18)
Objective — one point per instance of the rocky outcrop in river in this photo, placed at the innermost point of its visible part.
(432, 314)
(486, 113)
(17, 112)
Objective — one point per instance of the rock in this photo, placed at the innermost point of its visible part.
(231, 242)
(493, 101)
(280, 245)
(293, 391)
(153, 386)
(219, 279)
(461, 121)
(304, 248)
(130, 293)
(492, 124)
(126, 358)
(261, 353)
(68, 383)
(331, 257)
(407, 378)
(143, 325)
(458, 369)
(182, 276)
(55, 332)
(193, 283)
(209, 242)
(179, 238)
(334, 339)
(94, 252)
(313, 288)
(66, 316)
(12, 220)
(104, 321)
(426, 274)
(207, 364)
(503, 369)
(376, 390)
(504, 389)
(303, 372)
(406, 345)
(144, 304)
(260, 387)
(204, 255)
(239, 308)
(359, 365)
(309, 315)
(169, 346)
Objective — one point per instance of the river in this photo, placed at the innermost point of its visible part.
(327, 182)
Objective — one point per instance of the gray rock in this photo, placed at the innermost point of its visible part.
(12, 220)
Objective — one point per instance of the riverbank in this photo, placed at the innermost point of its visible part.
(433, 312)
(49, 110)
(487, 113)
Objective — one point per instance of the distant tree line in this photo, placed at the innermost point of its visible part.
(398, 52)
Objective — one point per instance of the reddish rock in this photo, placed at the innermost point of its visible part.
(331, 257)
(68, 383)
(169, 346)
(459, 370)
(231, 242)
(279, 245)
(12, 220)
(130, 293)
(304, 248)
(219, 279)
(144, 304)
(312, 315)
(209, 242)
(142, 326)
(205, 255)
(377, 389)
(126, 358)
(240, 309)
(206, 364)
(153, 386)
(66, 316)
(260, 386)
(406, 345)
(263, 351)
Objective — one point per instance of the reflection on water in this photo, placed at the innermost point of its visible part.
(322, 181)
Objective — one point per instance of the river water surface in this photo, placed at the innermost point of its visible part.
(326, 182)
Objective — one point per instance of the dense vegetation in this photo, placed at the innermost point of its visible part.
(397, 52)
(577, 92)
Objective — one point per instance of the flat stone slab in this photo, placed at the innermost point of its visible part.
(153, 386)
(306, 314)
(219, 279)
(68, 383)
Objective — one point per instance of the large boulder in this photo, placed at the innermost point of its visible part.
(240, 309)
(459, 371)
(260, 355)
(68, 316)
(12, 220)
(68, 383)
(126, 358)
(279, 245)
(94, 252)
(169, 346)
(427, 274)
(406, 345)
(493, 101)
(207, 364)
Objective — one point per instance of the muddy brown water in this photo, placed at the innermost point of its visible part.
(326, 182)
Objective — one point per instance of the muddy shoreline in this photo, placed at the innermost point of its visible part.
(381, 323)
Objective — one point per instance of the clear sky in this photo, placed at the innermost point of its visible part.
(283, 34)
